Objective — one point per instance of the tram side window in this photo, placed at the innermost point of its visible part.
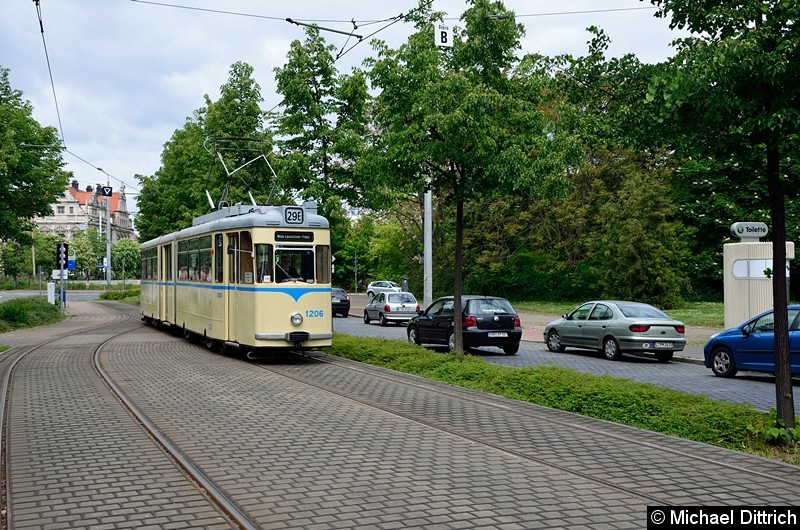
(263, 263)
(166, 257)
(204, 250)
(234, 253)
(323, 255)
(194, 260)
(246, 259)
(183, 260)
(219, 258)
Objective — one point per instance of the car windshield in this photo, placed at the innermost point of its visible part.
(641, 311)
(489, 307)
(402, 298)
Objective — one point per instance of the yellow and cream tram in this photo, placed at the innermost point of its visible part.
(251, 277)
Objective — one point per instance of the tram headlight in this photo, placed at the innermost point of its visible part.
(296, 319)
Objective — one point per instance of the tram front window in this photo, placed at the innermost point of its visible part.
(294, 266)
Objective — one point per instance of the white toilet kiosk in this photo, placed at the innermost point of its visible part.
(748, 288)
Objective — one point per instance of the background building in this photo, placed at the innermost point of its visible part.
(79, 210)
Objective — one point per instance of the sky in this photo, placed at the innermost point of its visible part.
(118, 77)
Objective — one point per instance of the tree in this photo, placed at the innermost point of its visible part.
(323, 124)
(450, 121)
(15, 261)
(31, 175)
(641, 249)
(733, 87)
(190, 164)
(126, 255)
(88, 248)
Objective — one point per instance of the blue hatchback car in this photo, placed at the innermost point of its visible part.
(751, 346)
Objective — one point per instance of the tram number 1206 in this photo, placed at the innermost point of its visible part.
(315, 313)
(293, 216)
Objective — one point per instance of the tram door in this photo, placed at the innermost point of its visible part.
(166, 302)
(234, 255)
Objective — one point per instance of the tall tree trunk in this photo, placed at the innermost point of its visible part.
(784, 399)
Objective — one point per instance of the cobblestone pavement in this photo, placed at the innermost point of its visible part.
(325, 444)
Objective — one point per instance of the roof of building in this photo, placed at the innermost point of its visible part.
(85, 197)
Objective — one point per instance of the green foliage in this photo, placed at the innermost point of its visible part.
(31, 174)
(126, 255)
(324, 123)
(176, 194)
(389, 253)
(773, 430)
(639, 250)
(89, 250)
(27, 312)
(126, 295)
(732, 92)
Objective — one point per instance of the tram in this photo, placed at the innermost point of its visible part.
(248, 277)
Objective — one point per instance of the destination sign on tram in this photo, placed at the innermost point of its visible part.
(297, 237)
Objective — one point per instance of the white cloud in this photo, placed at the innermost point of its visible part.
(128, 73)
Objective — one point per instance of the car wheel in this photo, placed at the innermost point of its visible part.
(413, 338)
(664, 356)
(382, 319)
(451, 341)
(345, 314)
(366, 317)
(511, 349)
(554, 342)
(722, 363)
(370, 294)
(611, 349)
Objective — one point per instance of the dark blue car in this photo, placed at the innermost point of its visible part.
(751, 346)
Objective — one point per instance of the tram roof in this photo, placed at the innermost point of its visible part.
(245, 216)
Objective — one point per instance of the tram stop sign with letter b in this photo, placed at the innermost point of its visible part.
(443, 35)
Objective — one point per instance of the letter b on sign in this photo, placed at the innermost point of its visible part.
(443, 35)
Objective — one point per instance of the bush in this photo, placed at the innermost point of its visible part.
(26, 312)
(120, 295)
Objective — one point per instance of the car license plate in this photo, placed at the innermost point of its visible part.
(496, 334)
(335, 299)
(662, 345)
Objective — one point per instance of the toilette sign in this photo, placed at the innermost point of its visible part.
(749, 231)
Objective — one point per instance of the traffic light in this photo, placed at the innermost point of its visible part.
(62, 252)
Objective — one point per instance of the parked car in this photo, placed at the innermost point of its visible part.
(340, 302)
(382, 287)
(617, 327)
(751, 346)
(484, 320)
(391, 307)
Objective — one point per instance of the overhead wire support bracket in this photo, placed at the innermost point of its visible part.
(217, 153)
(348, 33)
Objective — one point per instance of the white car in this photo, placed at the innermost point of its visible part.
(382, 287)
(391, 307)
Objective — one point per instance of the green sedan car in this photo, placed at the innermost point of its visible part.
(617, 327)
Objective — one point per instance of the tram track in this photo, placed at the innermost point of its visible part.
(526, 411)
(10, 361)
(199, 478)
(256, 447)
(116, 330)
